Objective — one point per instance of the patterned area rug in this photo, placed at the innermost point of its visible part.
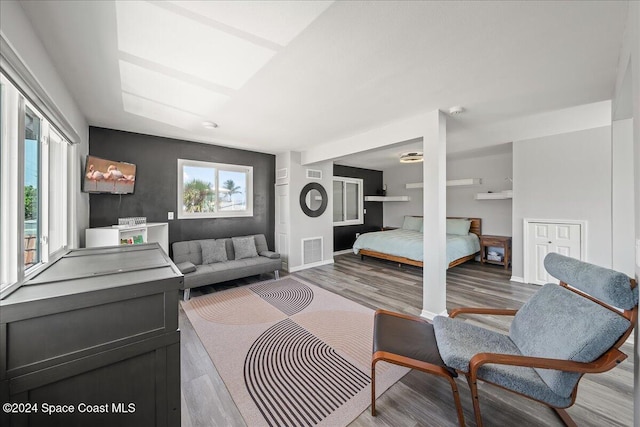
(290, 353)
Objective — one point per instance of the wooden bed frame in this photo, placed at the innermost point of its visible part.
(476, 228)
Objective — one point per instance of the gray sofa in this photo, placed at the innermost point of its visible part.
(209, 261)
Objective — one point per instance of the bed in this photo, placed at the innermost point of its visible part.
(404, 245)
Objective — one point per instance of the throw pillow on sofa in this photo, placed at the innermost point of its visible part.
(244, 247)
(213, 251)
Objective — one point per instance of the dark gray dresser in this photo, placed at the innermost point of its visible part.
(93, 340)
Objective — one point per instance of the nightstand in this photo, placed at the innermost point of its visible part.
(504, 242)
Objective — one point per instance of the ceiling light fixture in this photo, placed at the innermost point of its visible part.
(412, 157)
(210, 125)
(456, 110)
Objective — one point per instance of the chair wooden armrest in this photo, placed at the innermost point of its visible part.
(478, 310)
(605, 362)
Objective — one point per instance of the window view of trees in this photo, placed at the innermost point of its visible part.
(199, 196)
(219, 190)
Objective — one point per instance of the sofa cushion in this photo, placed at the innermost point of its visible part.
(213, 251)
(261, 243)
(186, 267)
(187, 251)
(244, 247)
(209, 274)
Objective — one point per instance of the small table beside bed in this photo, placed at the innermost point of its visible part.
(404, 245)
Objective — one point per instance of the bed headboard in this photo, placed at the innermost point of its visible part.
(476, 224)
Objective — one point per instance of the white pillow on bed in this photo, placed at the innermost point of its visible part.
(458, 226)
(412, 223)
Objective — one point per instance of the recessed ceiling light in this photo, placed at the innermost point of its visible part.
(412, 157)
(456, 110)
(210, 125)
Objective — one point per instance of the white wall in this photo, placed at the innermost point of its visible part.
(568, 177)
(396, 178)
(623, 233)
(300, 225)
(493, 169)
(630, 55)
(19, 33)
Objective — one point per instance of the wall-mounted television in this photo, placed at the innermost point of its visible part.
(108, 176)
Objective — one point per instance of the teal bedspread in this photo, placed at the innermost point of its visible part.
(408, 244)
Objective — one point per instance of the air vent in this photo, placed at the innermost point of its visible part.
(311, 250)
(282, 173)
(314, 174)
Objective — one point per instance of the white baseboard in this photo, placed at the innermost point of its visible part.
(429, 315)
(305, 266)
(346, 251)
(517, 279)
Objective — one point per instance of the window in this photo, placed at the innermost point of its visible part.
(347, 201)
(34, 187)
(214, 190)
(31, 189)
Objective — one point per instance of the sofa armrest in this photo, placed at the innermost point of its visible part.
(186, 267)
(270, 254)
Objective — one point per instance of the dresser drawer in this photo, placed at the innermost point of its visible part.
(495, 241)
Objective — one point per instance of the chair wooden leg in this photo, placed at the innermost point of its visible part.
(373, 388)
(473, 386)
(456, 400)
(565, 417)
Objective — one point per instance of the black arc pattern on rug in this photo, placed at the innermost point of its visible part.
(295, 379)
(289, 296)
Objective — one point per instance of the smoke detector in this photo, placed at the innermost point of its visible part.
(456, 110)
(411, 157)
(209, 125)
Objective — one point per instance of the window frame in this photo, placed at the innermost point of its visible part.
(360, 209)
(248, 170)
(13, 108)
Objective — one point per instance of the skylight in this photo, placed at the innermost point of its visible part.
(276, 21)
(155, 34)
(171, 91)
(154, 110)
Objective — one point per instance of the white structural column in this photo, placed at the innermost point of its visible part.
(434, 294)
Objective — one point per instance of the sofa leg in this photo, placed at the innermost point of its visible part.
(187, 293)
(276, 274)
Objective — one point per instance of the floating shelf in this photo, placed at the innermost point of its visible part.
(507, 194)
(450, 183)
(386, 198)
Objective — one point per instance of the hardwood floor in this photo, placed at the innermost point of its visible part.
(418, 399)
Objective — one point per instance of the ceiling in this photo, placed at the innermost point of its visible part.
(279, 76)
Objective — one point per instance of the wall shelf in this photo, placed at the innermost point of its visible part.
(386, 198)
(507, 194)
(450, 183)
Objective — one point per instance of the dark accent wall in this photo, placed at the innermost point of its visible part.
(344, 236)
(156, 160)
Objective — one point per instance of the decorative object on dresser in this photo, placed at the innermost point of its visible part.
(492, 257)
(404, 245)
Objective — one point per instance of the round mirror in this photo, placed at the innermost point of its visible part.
(313, 199)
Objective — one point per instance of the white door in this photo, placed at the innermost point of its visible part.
(543, 238)
(282, 224)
